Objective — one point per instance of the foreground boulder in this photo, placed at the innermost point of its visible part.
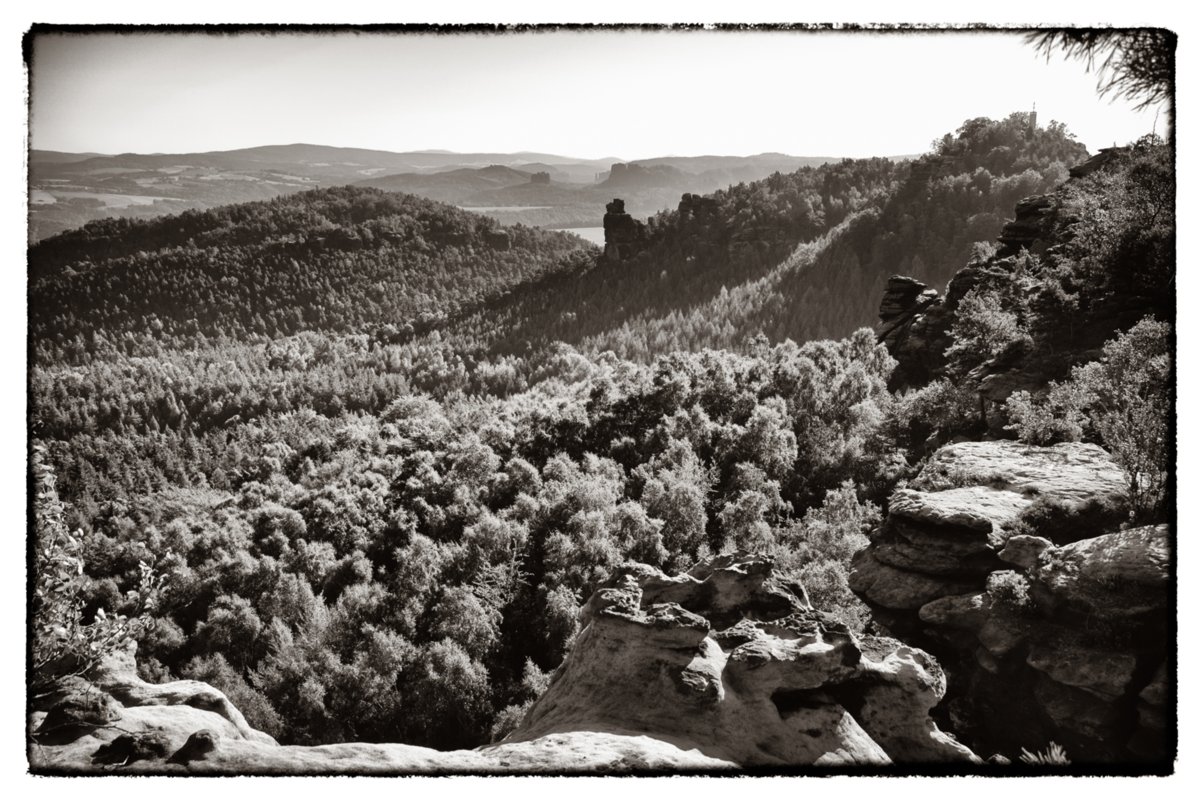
(1044, 642)
(727, 666)
(733, 662)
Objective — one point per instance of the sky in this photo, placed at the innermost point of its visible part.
(625, 94)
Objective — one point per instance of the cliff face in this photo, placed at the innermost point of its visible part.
(1063, 639)
(726, 666)
(623, 234)
(915, 321)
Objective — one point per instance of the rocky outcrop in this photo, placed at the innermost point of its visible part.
(697, 206)
(1098, 161)
(727, 666)
(916, 322)
(733, 662)
(909, 317)
(1080, 628)
(623, 234)
(1030, 225)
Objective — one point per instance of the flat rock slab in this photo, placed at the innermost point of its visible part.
(1120, 575)
(1104, 673)
(982, 510)
(893, 588)
(1067, 472)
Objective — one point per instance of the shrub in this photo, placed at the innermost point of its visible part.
(1054, 755)
(64, 642)
(1010, 589)
(818, 549)
(509, 719)
(258, 711)
(1123, 400)
(922, 420)
(981, 330)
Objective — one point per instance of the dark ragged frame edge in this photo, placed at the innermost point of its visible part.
(1015, 769)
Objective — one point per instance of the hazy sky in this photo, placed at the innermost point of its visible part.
(590, 94)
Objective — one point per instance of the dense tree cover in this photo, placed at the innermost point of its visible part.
(1113, 265)
(337, 259)
(925, 227)
(381, 450)
(404, 574)
(739, 235)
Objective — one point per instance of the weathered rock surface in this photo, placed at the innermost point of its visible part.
(727, 666)
(946, 531)
(1117, 576)
(909, 325)
(739, 667)
(1079, 631)
(623, 234)
(1074, 472)
(916, 322)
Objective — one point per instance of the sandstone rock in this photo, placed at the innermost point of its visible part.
(1002, 633)
(1023, 550)
(1076, 710)
(935, 557)
(1072, 473)
(1118, 576)
(903, 295)
(905, 315)
(1030, 224)
(893, 588)
(1155, 692)
(975, 509)
(76, 709)
(1105, 674)
(129, 748)
(725, 666)
(117, 676)
(623, 234)
(1097, 161)
(941, 544)
(987, 661)
(198, 746)
(968, 612)
(774, 685)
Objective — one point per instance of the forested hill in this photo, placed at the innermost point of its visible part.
(337, 259)
(747, 260)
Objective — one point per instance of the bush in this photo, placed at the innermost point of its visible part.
(64, 643)
(817, 552)
(981, 330)
(255, 707)
(923, 420)
(1010, 589)
(1123, 400)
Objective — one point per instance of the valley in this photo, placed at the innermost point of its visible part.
(498, 461)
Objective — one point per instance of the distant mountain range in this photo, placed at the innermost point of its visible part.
(69, 189)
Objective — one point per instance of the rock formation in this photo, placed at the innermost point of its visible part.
(623, 234)
(915, 321)
(697, 206)
(909, 326)
(732, 661)
(727, 666)
(1043, 642)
